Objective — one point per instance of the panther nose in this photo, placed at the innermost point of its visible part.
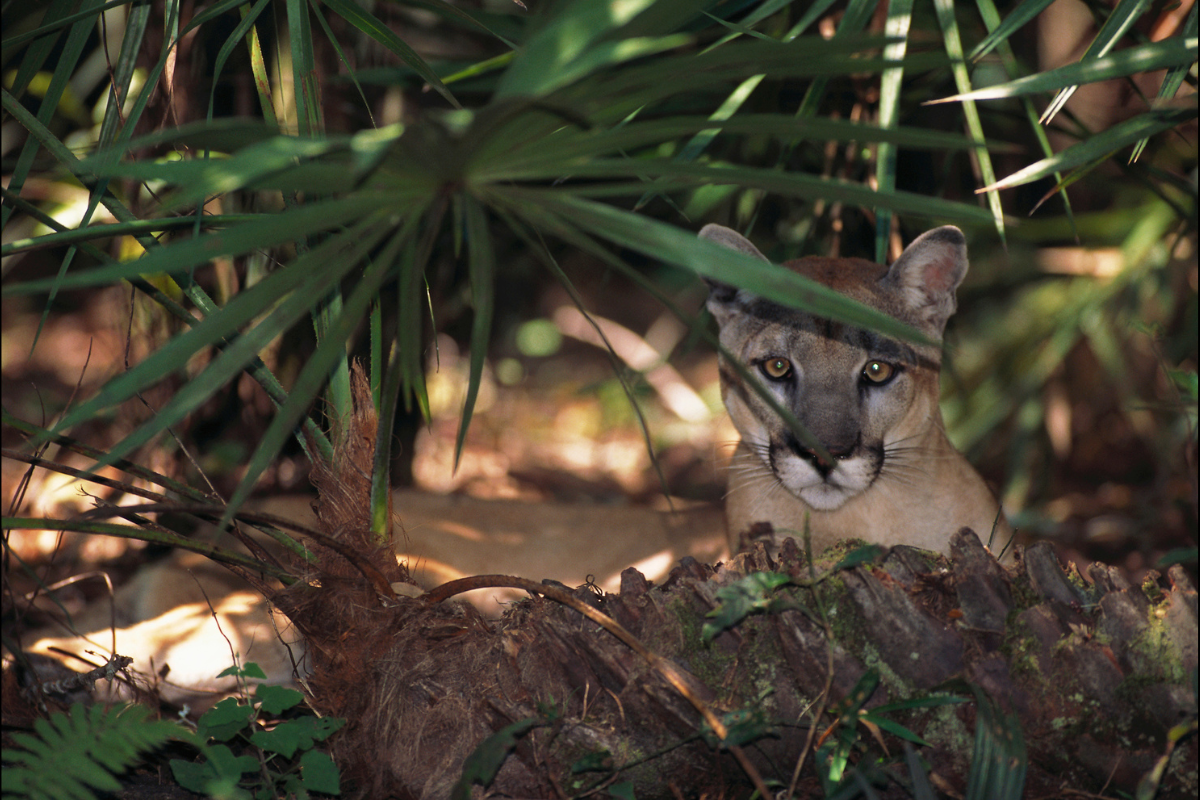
(839, 451)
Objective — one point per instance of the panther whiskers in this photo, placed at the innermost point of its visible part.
(885, 471)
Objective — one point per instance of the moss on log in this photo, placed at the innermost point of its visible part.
(1090, 672)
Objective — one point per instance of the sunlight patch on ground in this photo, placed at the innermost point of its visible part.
(654, 568)
(579, 424)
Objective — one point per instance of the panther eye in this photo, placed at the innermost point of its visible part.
(776, 368)
(878, 372)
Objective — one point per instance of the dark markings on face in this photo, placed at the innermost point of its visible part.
(731, 382)
(873, 344)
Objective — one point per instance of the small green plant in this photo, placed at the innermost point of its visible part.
(82, 751)
(286, 765)
(755, 593)
(999, 759)
(485, 761)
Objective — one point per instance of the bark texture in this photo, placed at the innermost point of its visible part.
(1096, 671)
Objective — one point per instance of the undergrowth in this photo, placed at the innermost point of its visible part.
(282, 761)
(84, 751)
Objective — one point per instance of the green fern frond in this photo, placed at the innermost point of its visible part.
(81, 751)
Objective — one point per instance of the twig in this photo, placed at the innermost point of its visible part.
(368, 570)
(54, 466)
(86, 680)
(823, 698)
(153, 536)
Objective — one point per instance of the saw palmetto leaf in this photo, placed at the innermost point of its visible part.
(366, 22)
(570, 45)
(899, 19)
(1119, 21)
(1100, 147)
(991, 19)
(958, 67)
(1018, 18)
(571, 147)
(330, 351)
(684, 249)
(1175, 75)
(267, 230)
(1174, 52)
(317, 271)
(481, 261)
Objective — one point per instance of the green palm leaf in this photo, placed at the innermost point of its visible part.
(685, 250)
(1175, 52)
(1091, 152)
(1118, 22)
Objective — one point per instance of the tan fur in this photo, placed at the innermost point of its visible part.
(894, 478)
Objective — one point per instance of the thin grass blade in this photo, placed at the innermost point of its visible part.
(899, 19)
(700, 141)
(1118, 22)
(991, 19)
(1174, 77)
(1176, 52)
(350, 71)
(246, 31)
(547, 218)
(481, 266)
(983, 160)
(538, 246)
(262, 80)
(811, 15)
(760, 12)
(212, 12)
(388, 392)
(366, 22)
(306, 93)
(674, 246)
(1018, 18)
(1099, 147)
(312, 377)
(412, 290)
(854, 20)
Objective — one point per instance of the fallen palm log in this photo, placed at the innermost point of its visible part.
(1093, 676)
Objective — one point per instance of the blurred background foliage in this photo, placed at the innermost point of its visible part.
(211, 208)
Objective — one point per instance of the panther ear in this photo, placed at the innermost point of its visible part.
(723, 299)
(928, 272)
(731, 239)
